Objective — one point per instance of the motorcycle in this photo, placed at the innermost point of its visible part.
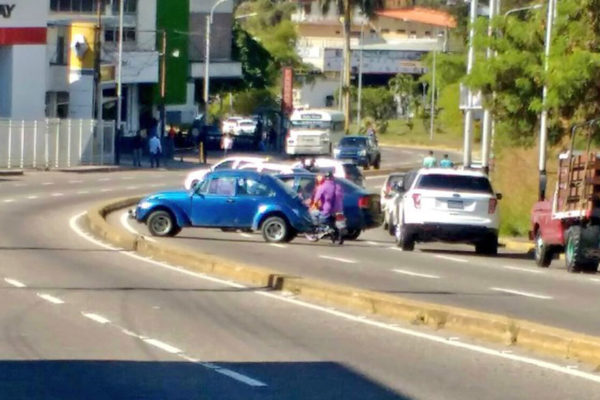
(335, 233)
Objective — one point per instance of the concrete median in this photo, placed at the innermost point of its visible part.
(491, 327)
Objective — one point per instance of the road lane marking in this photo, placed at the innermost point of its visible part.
(343, 315)
(373, 177)
(20, 184)
(125, 222)
(103, 179)
(373, 243)
(132, 187)
(106, 190)
(396, 248)
(338, 259)
(127, 178)
(163, 346)
(75, 181)
(239, 377)
(156, 185)
(455, 259)
(530, 270)
(521, 293)
(83, 192)
(595, 280)
(245, 235)
(95, 317)
(279, 246)
(9, 200)
(32, 197)
(47, 183)
(51, 299)
(57, 194)
(410, 273)
(14, 282)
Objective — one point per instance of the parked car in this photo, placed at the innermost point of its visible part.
(339, 168)
(231, 199)
(245, 133)
(457, 206)
(237, 162)
(230, 124)
(391, 195)
(272, 168)
(361, 150)
(361, 208)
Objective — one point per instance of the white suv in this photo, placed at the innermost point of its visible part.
(448, 206)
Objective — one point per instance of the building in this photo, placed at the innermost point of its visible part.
(392, 41)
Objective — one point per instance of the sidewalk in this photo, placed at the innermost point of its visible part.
(520, 244)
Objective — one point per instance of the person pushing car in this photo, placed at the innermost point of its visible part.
(330, 199)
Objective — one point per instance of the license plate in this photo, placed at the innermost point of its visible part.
(455, 204)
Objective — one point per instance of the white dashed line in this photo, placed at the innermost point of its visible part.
(245, 235)
(595, 280)
(279, 246)
(95, 317)
(521, 293)
(83, 192)
(455, 259)
(127, 178)
(106, 190)
(132, 187)
(125, 222)
(57, 194)
(75, 181)
(20, 184)
(47, 183)
(419, 275)
(530, 270)
(239, 377)
(103, 179)
(338, 259)
(14, 282)
(373, 243)
(163, 346)
(373, 177)
(9, 200)
(51, 299)
(156, 185)
(32, 197)
(395, 248)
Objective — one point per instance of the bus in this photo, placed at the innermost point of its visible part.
(314, 132)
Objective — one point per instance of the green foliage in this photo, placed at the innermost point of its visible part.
(248, 101)
(378, 103)
(257, 63)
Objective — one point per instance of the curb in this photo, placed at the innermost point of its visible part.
(92, 169)
(491, 327)
(11, 172)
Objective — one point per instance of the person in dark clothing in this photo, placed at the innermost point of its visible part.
(138, 145)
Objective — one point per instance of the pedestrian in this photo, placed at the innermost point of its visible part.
(371, 132)
(138, 144)
(155, 150)
(202, 142)
(171, 142)
(430, 161)
(226, 143)
(272, 138)
(446, 162)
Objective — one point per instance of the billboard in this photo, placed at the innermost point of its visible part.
(22, 22)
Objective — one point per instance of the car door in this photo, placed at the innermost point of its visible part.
(213, 205)
(250, 195)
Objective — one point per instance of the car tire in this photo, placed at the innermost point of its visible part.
(352, 234)
(228, 229)
(162, 224)
(543, 253)
(573, 250)
(403, 240)
(377, 163)
(275, 230)
(488, 246)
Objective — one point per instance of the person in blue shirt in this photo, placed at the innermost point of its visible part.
(430, 161)
(446, 162)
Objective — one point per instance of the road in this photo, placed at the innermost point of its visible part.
(81, 320)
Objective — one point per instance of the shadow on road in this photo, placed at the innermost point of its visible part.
(95, 379)
(513, 256)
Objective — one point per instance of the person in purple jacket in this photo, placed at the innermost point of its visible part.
(330, 198)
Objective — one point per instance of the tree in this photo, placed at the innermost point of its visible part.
(249, 101)
(346, 8)
(378, 103)
(257, 62)
(403, 87)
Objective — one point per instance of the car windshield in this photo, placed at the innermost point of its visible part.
(456, 183)
(353, 142)
(311, 124)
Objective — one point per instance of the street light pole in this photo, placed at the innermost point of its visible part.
(468, 129)
(163, 84)
(209, 20)
(120, 80)
(432, 109)
(487, 117)
(544, 117)
(360, 67)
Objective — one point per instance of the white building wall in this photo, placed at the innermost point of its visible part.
(146, 25)
(314, 94)
(204, 6)
(5, 84)
(28, 82)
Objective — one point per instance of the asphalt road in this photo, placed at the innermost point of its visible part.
(81, 320)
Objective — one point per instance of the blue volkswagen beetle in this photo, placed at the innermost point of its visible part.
(233, 199)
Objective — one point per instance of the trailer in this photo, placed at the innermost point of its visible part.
(570, 222)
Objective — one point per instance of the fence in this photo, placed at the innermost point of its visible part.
(55, 143)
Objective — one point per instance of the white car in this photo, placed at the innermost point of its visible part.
(227, 163)
(272, 168)
(230, 125)
(340, 169)
(245, 127)
(449, 206)
(390, 194)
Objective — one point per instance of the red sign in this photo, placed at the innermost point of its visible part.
(18, 36)
(287, 96)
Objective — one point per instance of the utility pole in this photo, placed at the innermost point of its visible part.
(360, 72)
(119, 82)
(468, 131)
(432, 111)
(487, 116)
(163, 83)
(98, 75)
(543, 178)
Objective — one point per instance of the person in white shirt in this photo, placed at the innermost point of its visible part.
(155, 150)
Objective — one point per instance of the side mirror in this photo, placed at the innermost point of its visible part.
(499, 196)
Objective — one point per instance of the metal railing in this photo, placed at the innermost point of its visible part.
(55, 143)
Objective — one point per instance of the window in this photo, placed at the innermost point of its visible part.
(130, 6)
(427, 34)
(455, 183)
(112, 35)
(353, 141)
(222, 186)
(224, 165)
(250, 187)
(77, 5)
(401, 31)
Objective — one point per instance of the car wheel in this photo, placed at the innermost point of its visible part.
(352, 234)
(403, 240)
(543, 253)
(275, 230)
(488, 246)
(573, 259)
(161, 223)
(377, 163)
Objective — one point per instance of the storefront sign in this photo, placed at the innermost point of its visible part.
(6, 10)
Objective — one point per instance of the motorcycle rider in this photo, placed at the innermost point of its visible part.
(329, 198)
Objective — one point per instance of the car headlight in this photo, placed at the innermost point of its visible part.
(336, 151)
(362, 153)
(145, 205)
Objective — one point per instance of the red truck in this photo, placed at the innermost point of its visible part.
(570, 222)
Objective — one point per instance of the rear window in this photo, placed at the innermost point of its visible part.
(353, 141)
(455, 183)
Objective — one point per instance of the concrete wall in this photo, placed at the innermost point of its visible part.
(146, 22)
(5, 83)
(28, 81)
(315, 94)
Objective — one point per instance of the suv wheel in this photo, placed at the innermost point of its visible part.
(403, 240)
(488, 246)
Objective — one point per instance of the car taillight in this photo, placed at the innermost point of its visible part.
(388, 187)
(363, 202)
(492, 205)
(417, 200)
